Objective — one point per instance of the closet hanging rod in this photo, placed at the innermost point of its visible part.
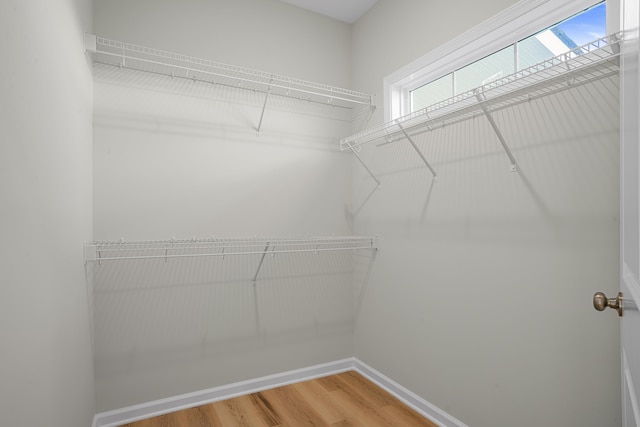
(120, 54)
(585, 63)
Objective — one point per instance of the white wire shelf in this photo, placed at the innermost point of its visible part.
(592, 61)
(130, 56)
(216, 247)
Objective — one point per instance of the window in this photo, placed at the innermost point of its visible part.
(555, 40)
(525, 34)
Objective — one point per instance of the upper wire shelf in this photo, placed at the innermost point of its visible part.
(127, 55)
(217, 247)
(592, 61)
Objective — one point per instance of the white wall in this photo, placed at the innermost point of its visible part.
(266, 35)
(46, 361)
(480, 297)
(182, 159)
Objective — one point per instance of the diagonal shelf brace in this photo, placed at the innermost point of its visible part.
(255, 288)
(365, 167)
(415, 147)
(355, 153)
(372, 108)
(264, 107)
(255, 276)
(481, 100)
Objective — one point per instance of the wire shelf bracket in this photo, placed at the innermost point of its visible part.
(255, 276)
(496, 129)
(355, 151)
(264, 107)
(415, 147)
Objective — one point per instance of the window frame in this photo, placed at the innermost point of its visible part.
(515, 23)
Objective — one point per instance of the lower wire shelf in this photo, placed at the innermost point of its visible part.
(100, 251)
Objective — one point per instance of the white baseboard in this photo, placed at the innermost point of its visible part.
(408, 397)
(176, 403)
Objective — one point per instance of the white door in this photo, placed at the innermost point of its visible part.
(630, 216)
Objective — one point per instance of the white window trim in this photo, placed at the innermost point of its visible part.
(515, 23)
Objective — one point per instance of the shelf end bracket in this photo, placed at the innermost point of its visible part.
(370, 111)
(415, 147)
(264, 107)
(354, 150)
(90, 43)
(255, 276)
(496, 129)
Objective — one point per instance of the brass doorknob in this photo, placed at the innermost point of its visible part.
(600, 302)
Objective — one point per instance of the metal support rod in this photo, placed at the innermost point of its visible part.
(415, 147)
(365, 166)
(255, 288)
(493, 124)
(365, 282)
(369, 115)
(255, 277)
(264, 107)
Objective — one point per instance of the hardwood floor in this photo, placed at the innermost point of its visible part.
(342, 400)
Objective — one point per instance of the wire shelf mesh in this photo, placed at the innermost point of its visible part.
(220, 247)
(592, 61)
(130, 56)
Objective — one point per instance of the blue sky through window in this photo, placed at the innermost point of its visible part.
(587, 26)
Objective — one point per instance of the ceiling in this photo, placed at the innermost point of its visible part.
(343, 10)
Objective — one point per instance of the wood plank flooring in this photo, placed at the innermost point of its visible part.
(342, 400)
